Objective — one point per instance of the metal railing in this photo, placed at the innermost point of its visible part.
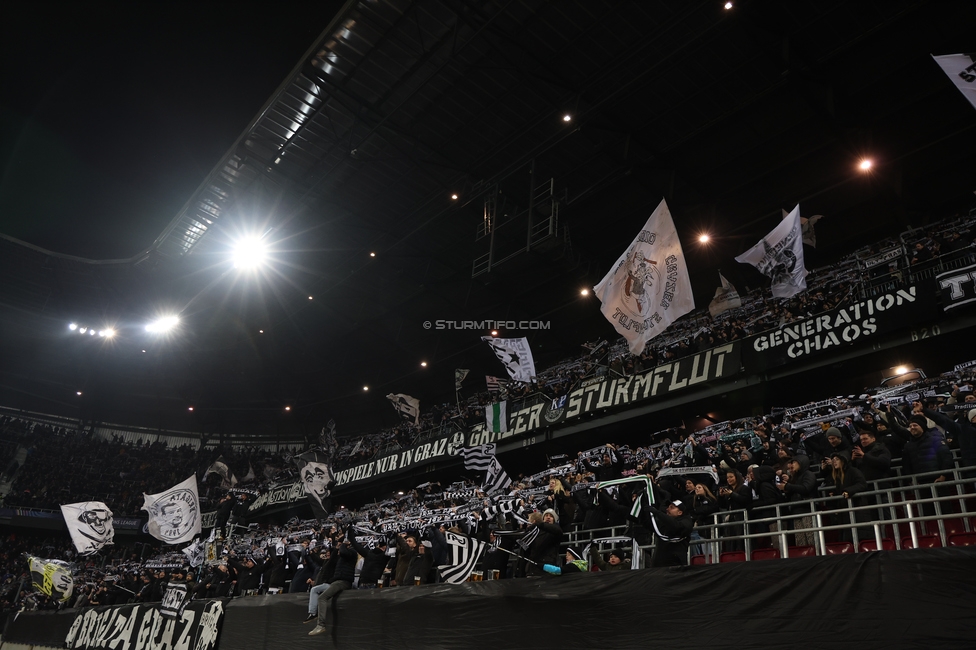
(898, 509)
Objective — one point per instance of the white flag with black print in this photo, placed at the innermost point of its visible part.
(779, 256)
(459, 375)
(89, 524)
(408, 407)
(495, 385)
(647, 288)
(515, 355)
(478, 458)
(961, 70)
(463, 555)
(220, 468)
(726, 298)
(496, 479)
(174, 515)
(496, 417)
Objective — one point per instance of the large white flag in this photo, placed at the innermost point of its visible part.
(961, 69)
(515, 355)
(90, 525)
(408, 407)
(779, 256)
(174, 515)
(726, 298)
(648, 288)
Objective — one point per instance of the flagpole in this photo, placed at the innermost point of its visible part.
(499, 548)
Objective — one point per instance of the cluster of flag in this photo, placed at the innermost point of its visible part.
(482, 459)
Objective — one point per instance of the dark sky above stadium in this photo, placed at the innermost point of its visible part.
(110, 118)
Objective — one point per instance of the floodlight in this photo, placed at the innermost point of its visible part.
(704, 238)
(189, 408)
(584, 292)
(82, 329)
(72, 327)
(728, 5)
(866, 164)
(365, 387)
(91, 332)
(494, 332)
(250, 253)
(567, 118)
(423, 364)
(109, 333)
(454, 197)
(77, 392)
(901, 370)
(287, 408)
(163, 324)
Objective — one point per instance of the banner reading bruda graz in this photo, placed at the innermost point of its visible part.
(145, 627)
(844, 326)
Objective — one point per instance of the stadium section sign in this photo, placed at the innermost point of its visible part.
(849, 325)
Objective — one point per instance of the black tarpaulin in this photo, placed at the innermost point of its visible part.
(924, 598)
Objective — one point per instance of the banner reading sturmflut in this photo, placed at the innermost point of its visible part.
(647, 288)
(174, 515)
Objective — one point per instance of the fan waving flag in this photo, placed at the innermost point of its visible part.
(459, 375)
(174, 515)
(478, 458)
(52, 577)
(463, 555)
(496, 479)
(515, 355)
(408, 407)
(220, 468)
(89, 524)
(779, 256)
(647, 288)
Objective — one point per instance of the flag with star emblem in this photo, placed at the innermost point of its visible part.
(515, 355)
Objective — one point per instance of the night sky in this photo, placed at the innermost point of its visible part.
(110, 119)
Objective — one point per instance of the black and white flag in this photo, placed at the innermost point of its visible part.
(497, 478)
(408, 407)
(647, 288)
(459, 375)
(463, 555)
(726, 298)
(219, 467)
(478, 458)
(90, 525)
(174, 600)
(961, 70)
(316, 477)
(779, 256)
(196, 553)
(515, 355)
(495, 385)
(174, 515)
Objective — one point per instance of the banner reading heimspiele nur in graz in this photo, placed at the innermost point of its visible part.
(848, 325)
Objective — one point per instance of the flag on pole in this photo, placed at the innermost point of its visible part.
(647, 288)
(327, 439)
(515, 355)
(495, 385)
(408, 407)
(726, 298)
(779, 256)
(174, 515)
(196, 553)
(496, 417)
(477, 458)
(316, 477)
(961, 70)
(496, 478)
(463, 555)
(459, 375)
(89, 524)
(51, 577)
(219, 467)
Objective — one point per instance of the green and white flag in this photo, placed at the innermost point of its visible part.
(496, 417)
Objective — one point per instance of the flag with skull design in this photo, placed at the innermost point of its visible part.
(90, 525)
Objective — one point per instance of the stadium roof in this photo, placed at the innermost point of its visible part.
(399, 105)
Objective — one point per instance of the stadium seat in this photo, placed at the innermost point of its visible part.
(732, 556)
(766, 554)
(699, 559)
(962, 539)
(871, 545)
(839, 548)
(954, 526)
(802, 551)
(924, 541)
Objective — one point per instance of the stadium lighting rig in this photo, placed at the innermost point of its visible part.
(85, 330)
(250, 253)
(163, 324)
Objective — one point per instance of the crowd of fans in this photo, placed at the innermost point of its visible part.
(792, 455)
(752, 463)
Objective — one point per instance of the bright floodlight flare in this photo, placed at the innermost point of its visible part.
(250, 253)
(584, 292)
(77, 392)
(109, 333)
(728, 5)
(287, 408)
(82, 329)
(366, 388)
(567, 118)
(901, 370)
(163, 324)
(189, 408)
(423, 364)
(704, 238)
(454, 197)
(494, 332)
(865, 165)
(72, 327)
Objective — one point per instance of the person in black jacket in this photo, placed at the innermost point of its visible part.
(673, 530)
(926, 451)
(374, 561)
(799, 484)
(345, 573)
(544, 548)
(871, 457)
